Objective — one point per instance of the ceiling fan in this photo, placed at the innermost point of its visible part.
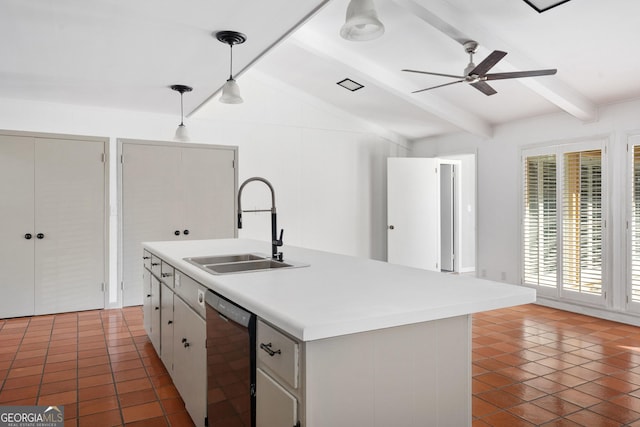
(476, 75)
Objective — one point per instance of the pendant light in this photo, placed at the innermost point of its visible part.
(181, 131)
(230, 90)
(362, 22)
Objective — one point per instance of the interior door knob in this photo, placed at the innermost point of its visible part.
(28, 236)
(40, 236)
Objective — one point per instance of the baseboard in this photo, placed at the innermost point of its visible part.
(602, 313)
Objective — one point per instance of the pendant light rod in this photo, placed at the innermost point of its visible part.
(231, 38)
(182, 89)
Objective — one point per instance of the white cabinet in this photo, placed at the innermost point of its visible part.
(275, 406)
(190, 359)
(53, 229)
(154, 332)
(277, 378)
(173, 192)
(166, 327)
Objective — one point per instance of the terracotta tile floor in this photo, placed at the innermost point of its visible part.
(537, 366)
(532, 366)
(99, 364)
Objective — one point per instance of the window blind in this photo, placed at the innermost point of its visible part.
(540, 221)
(635, 226)
(582, 222)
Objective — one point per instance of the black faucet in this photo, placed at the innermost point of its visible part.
(275, 240)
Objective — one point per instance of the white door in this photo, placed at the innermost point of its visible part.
(69, 225)
(16, 224)
(149, 209)
(413, 212)
(208, 193)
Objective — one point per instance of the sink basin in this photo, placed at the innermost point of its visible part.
(223, 259)
(240, 263)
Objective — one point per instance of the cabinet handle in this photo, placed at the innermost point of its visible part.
(165, 274)
(170, 322)
(177, 232)
(269, 350)
(184, 340)
(40, 236)
(146, 257)
(157, 308)
(148, 295)
(185, 232)
(155, 264)
(28, 236)
(391, 227)
(186, 345)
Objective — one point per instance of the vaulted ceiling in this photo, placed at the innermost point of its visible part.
(124, 55)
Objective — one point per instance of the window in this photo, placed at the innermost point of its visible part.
(635, 225)
(562, 223)
(540, 221)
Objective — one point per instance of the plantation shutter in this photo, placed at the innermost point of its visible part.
(540, 221)
(582, 229)
(635, 226)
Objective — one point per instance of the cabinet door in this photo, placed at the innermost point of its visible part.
(275, 406)
(166, 327)
(149, 185)
(70, 214)
(146, 301)
(208, 193)
(16, 213)
(190, 359)
(155, 314)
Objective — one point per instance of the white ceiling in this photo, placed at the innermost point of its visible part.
(124, 55)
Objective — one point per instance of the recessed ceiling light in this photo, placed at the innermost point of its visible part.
(542, 5)
(350, 85)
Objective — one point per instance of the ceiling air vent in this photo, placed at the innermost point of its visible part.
(350, 85)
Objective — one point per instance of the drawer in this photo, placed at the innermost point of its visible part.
(190, 291)
(166, 274)
(156, 265)
(279, 353)
(146, 259)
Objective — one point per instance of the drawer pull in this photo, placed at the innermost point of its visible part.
(269, 350)
(155, 264)
(146, 257)
(166, 275)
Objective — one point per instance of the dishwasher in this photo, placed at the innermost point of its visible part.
(231, 363)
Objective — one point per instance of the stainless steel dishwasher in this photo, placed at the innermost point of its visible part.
(231, 364)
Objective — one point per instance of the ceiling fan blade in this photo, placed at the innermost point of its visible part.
(434, 87)
(518, 74)
(488, 63)
(434, 74)
(484, 88)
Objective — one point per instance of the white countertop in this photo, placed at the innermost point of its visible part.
(337, 294)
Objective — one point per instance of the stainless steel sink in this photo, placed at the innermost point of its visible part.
(240, 263)
(223, 259)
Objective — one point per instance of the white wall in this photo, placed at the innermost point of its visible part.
(328, 169)
(499, 180)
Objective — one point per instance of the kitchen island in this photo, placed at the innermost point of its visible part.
(373, 344)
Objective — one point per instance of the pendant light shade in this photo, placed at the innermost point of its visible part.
(362, 22)
(181, 131)
(231, 90)
(231, 93)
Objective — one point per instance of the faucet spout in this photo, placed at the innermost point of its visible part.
(275, 241)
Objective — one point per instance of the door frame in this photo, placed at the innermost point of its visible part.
(457, 203)
(106, 192)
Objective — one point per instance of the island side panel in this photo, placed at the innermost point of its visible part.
(412, 376)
